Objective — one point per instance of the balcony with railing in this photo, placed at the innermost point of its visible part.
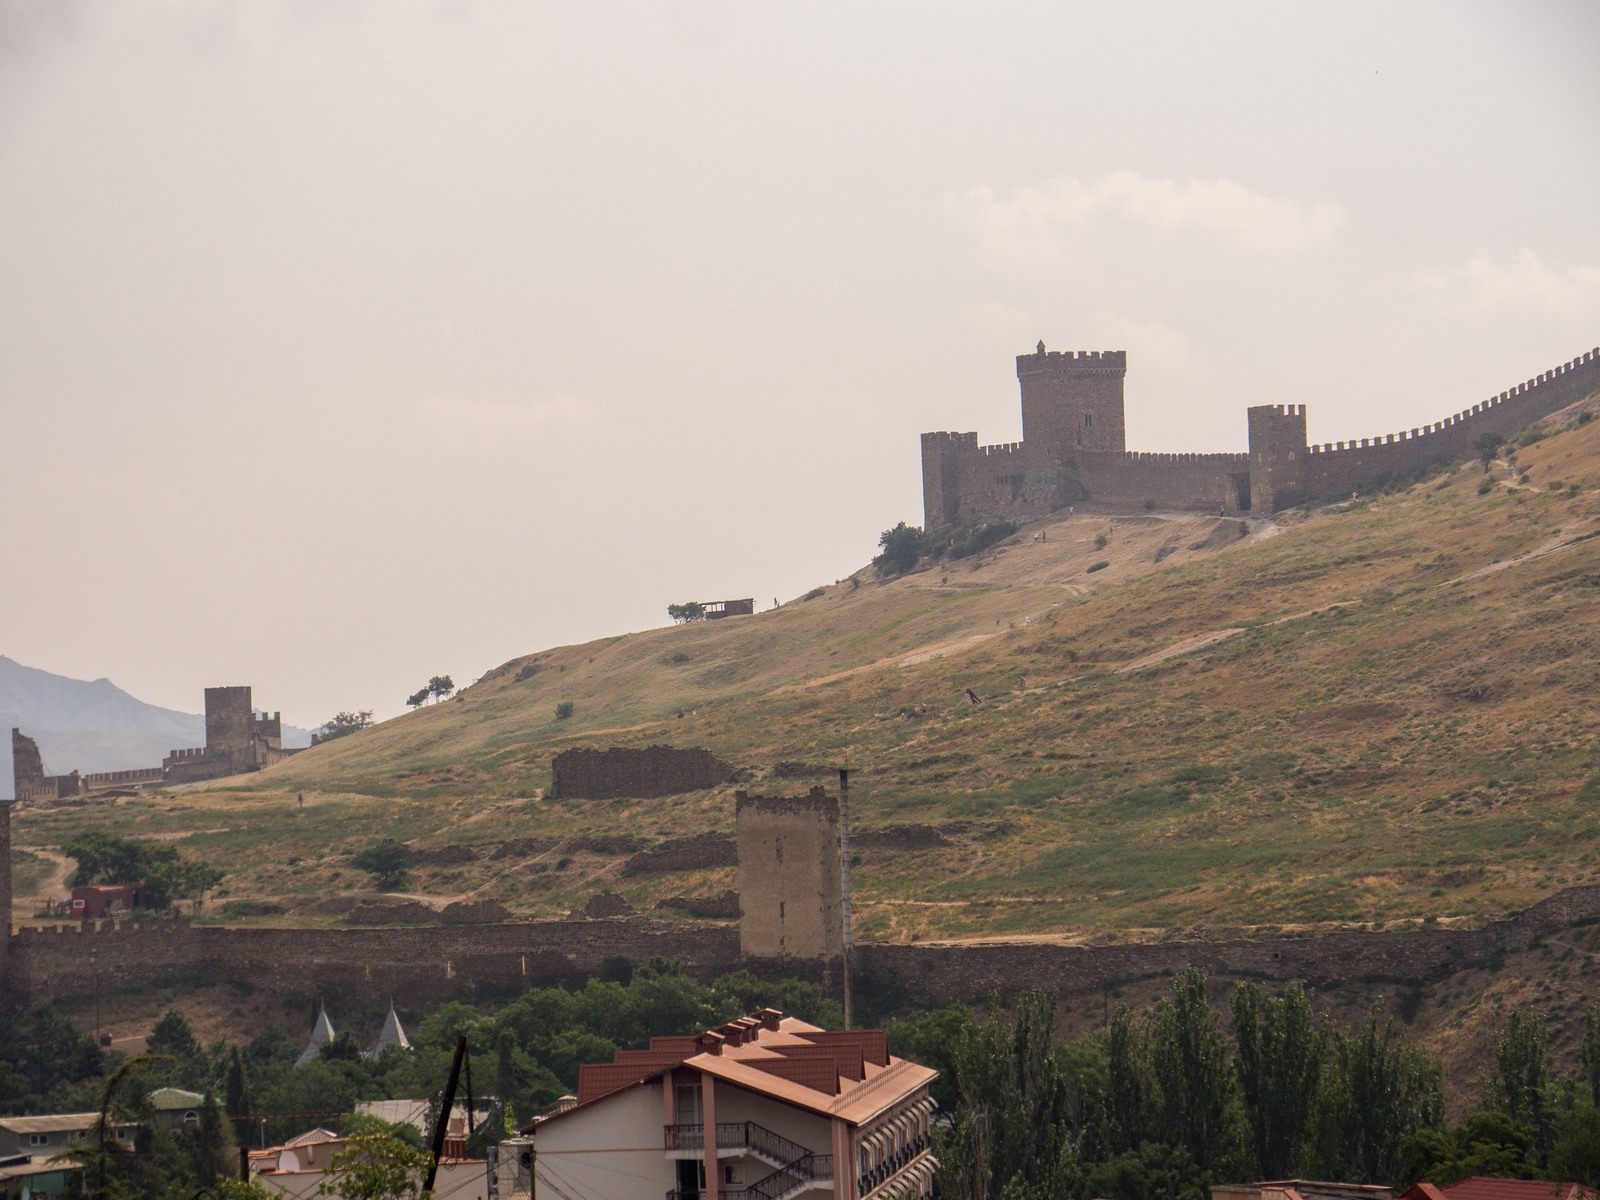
(798, 1169)
(891, 1166)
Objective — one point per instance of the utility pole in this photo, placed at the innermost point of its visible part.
(442, 1126)
(844, 879)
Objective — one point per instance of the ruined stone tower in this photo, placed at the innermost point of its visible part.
(5, 895)
(791, 882)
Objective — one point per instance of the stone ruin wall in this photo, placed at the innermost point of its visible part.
(430, 965)
(626, 774)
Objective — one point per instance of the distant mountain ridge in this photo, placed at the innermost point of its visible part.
(86, 726)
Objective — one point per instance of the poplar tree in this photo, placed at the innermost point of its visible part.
(1198, 1092)
(1279, 1063)
(1518, 1085)
(1012, 1138)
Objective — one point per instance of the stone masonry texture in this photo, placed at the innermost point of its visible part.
(622, 773)
(431, 965)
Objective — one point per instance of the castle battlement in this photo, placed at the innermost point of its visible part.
(1157, 456)
(1073, 448)
(1094, 362)
(108, 929)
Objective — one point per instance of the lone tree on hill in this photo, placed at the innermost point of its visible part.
(342, 724)
(901, 546)
(386, 862)
(682, 614)
(1487, 446)
(440, 687)
(418, 699)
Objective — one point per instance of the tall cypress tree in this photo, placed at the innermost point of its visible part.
(237, 1097)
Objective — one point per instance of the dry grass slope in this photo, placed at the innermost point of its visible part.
(1378, 711)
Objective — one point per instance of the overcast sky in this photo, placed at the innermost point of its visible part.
(344, 344)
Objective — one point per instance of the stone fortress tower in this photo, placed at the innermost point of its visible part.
(1074, 449)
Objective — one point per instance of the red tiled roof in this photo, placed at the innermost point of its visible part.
(1482, 1187)
(845, 1073)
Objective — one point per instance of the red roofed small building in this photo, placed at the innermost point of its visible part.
(1483, 1187)
(795, 1111)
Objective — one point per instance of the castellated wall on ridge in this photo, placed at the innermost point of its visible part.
(1071, 450)
(1334, 469)
(1188, 481)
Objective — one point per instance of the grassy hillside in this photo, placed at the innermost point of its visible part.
(1378, 711)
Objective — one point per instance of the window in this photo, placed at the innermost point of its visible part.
(1088, 420)
(38, 1139)
(191, 1117)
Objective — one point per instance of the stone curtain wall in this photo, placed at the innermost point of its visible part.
(1335, 469)
(430, 965)
(1185, 481)
(620, 773)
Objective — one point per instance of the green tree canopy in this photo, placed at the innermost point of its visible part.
(342, 724)
(386, 861)
(167, 876)
(900, 548)
(1488, 445)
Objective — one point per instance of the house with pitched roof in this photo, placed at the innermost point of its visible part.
(766, 1107)
(1484, 1187)
(301, 1168)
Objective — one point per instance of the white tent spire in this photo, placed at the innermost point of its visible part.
(393, 1034)
(321, 1035)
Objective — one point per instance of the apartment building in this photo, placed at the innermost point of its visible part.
(766, 1107)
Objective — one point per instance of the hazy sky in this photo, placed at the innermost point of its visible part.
(343, 344)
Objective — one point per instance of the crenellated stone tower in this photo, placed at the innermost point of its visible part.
(1072, 401)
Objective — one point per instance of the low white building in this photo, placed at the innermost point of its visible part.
(298, 1168)
(764, 1108)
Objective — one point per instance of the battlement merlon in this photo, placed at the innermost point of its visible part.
(1072, 362)
(947, 438)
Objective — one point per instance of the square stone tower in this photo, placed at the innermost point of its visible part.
(791, 875)
(1072, 401)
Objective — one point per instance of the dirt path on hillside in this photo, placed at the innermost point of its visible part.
(1561, 541)
(1198, 642)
